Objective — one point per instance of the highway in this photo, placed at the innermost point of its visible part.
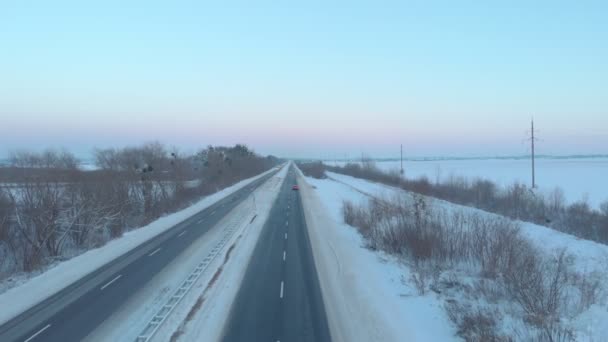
(77, 310)
(280, 298)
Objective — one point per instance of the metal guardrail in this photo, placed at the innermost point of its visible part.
(164, 312)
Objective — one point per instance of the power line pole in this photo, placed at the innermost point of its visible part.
(532, 139)
(402, 160)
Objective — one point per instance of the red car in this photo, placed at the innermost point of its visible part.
(295, 187)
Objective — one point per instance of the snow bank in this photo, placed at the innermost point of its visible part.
(365, 296)
(20, 298)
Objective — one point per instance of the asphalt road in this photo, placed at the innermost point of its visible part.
(76, 311)
(280, 297)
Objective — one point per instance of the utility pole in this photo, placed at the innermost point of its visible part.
(401, 160)
(532, 139)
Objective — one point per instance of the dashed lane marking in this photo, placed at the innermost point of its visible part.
(111, 281)
(38, 333)
(156, 251)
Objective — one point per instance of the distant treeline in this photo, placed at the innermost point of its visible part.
(445, 158)
(50, 209)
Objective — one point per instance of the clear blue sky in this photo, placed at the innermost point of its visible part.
(313, 79)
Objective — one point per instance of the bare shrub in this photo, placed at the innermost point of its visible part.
(484, 193)
(421, 185)
(348, 212)
(419, 279)
(604, 208)
(424, 275)
(6, 238)
(589, 290)
(367, 170)
(360, 218)
(510, 267)
(579, 220)
(313, 169)
(556, 333)
(495, 242)
(37, 215)
(556, 201)
(538, 286)
(474, 324)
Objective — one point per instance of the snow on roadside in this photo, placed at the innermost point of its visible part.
(366, 298)
(20, 298)
(587, 257)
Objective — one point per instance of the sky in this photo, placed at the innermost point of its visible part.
(321, 79)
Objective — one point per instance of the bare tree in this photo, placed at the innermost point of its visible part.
(55, 210)
(6, 244)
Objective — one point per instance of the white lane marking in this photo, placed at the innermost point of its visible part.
(281, 295)
(111, 281)
(284, 255)
(156, 251)
(200, 221)
(285, 236)
(286, 223)
(182, 233)
(213, 212)
(38, 333)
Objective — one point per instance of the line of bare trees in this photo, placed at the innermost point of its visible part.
(516, 201)
(312, 169)
(50, 209)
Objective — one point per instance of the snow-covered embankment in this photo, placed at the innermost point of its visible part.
(365, 296)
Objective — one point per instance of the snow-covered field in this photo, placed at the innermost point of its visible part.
(579, 178)
(20, 298)
(365, 282)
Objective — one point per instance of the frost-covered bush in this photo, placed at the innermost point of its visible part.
(504, 265)
(313, 169)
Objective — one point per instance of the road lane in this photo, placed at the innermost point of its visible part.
(280, 297)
